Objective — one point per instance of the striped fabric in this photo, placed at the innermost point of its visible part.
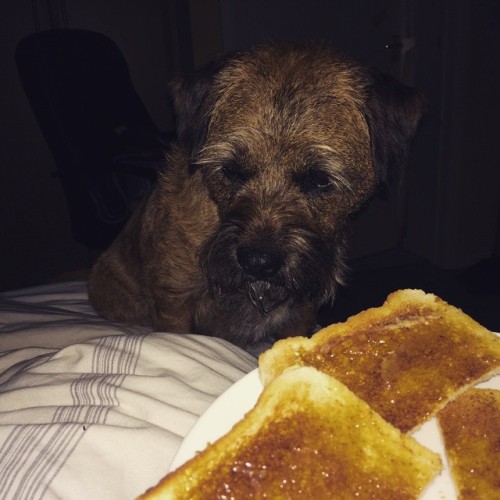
(90, 409)
(32, 455)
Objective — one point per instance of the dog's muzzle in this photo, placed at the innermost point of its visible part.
(260, 266)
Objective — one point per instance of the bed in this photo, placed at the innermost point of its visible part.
(93, 409)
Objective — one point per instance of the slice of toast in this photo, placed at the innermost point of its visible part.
(470, 426)
(406, 359)
(308, 436)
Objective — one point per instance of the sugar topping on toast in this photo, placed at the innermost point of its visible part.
(470, 426)
(308, 436)
(406, 359)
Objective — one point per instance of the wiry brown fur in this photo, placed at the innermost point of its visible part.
(277, 148)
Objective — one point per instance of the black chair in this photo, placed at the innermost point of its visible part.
(106, 147)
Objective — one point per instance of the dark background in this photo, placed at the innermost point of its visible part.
(439, 229)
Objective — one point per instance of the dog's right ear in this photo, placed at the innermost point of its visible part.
(193, 103)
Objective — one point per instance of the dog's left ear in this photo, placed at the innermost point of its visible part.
(193, 103)
(393, 111)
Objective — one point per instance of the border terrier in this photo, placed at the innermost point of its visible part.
(244, 235)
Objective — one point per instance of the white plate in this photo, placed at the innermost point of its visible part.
(221, 415)
(233, 404)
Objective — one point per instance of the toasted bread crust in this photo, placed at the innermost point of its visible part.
(407, 358)
(307, 437)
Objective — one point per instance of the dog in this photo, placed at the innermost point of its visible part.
(244, 235)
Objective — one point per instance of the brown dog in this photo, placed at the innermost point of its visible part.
(244, 235)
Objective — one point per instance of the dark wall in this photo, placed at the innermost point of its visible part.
(35, 234)
(446, 212)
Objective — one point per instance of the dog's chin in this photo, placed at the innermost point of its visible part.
(266, 296)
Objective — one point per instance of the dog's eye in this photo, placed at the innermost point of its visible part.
(315, 181)
(233, 172)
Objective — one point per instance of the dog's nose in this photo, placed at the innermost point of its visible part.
(259, 263)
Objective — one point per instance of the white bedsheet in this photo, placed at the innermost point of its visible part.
(95, 410)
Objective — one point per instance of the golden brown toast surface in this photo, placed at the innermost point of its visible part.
(470, 426)
(307, 437)
(406, 359)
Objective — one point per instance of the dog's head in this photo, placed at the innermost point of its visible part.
(291, 141)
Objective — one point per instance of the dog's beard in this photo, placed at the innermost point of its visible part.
(256, 308)
(266, 296)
